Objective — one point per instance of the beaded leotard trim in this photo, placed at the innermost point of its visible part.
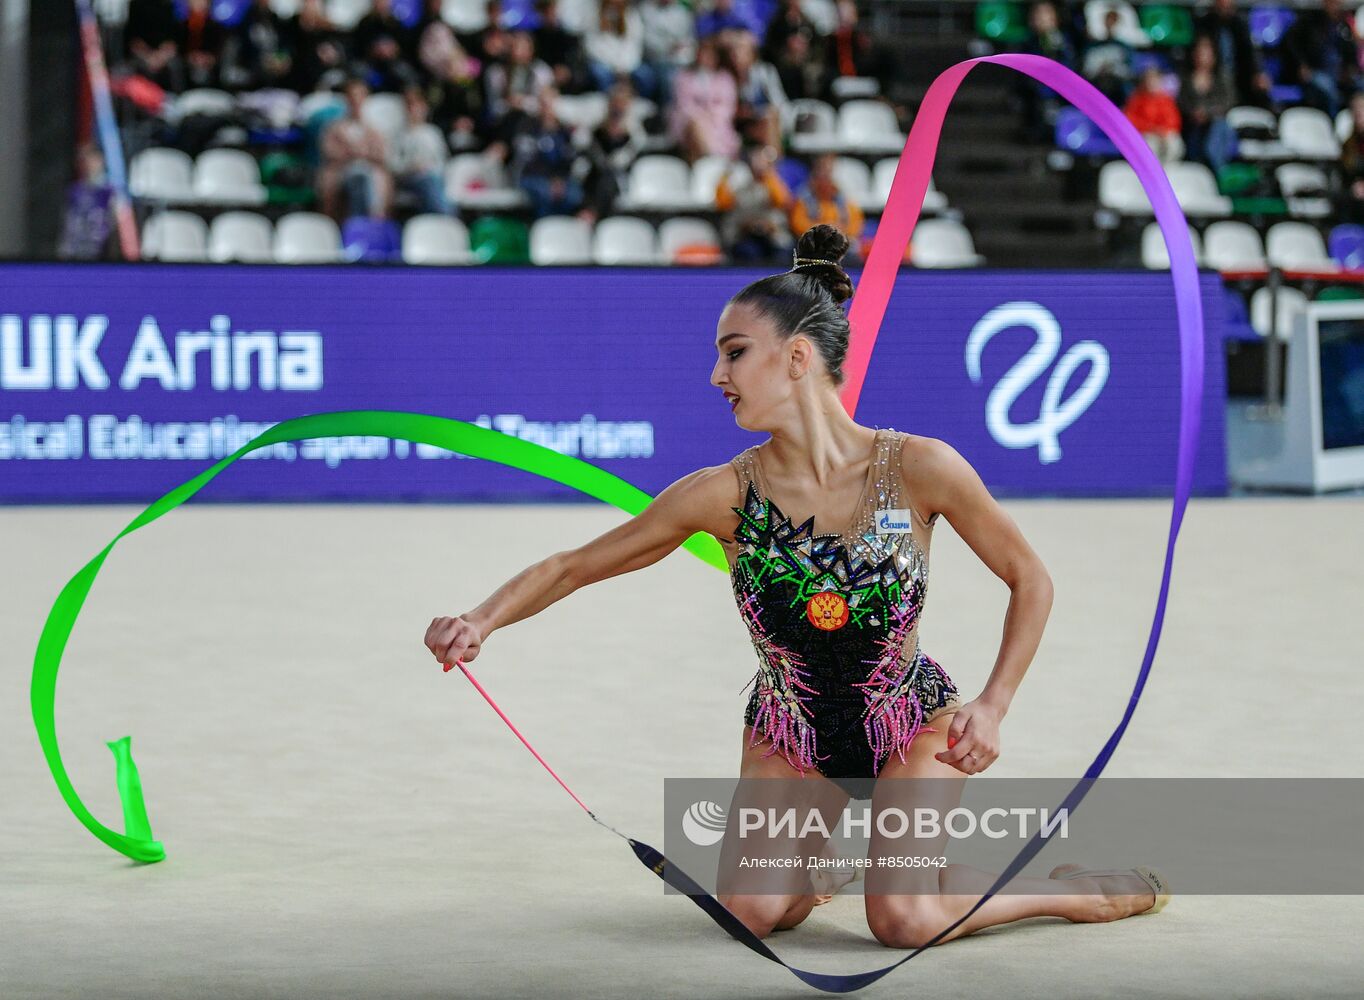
(831, 618)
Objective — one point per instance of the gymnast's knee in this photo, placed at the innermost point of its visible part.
(759, 913)
(905, 921)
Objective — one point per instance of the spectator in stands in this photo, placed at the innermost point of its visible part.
(542, 161)
(789, 19)
(850, 49)
(755, 204)
(1230, 34)
(724, 15)
(1107, 62)
(705, 99)
(149, 40)
(488, 44)
(802, 72)
(1323, 56)
(762, 103)
(1154, 112)
(1206, 94)
(257, 53)
(200, 40)
(318, 51)
(513, 90)
(1045, 38)
(419, 155)
(820, 200)
(89, 218)
(669, 41)
(560, 49)
(354, 162)
(387, 47)
(1352, 165)
(455, 93)
(615, 144)
(614, 43)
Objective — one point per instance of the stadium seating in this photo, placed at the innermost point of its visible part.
(675, 234)
(868, 127)
(436, 239)
(1129, 28)
(1309, 134)
(1156, 256)
(1196, 189)
(560, 239)
(243, 237)
(175, 236)
(1346, 244)
(228, 176)
(1297, 246)
(624, 239)
(307, 238)
(943, 243)
(159, 174)
(658, 183)
(1233, 246)
(1291, 303)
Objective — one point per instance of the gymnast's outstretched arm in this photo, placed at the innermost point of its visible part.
(696, 502)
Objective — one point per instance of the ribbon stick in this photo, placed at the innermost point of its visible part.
(868, 309)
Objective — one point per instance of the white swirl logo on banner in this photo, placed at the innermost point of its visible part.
(1055, 414)
(704, 823)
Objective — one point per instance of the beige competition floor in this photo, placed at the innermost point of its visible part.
(343, 819)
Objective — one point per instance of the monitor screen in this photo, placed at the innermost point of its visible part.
(1341, 355)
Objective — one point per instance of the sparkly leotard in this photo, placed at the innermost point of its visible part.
(841, 680)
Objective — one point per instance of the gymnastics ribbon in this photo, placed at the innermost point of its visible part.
(868, 309)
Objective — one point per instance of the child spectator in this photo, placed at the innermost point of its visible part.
(1206, 94)
(614, 44)
(615, 144)
(762, 102)
(701, 117)
(819, 200)
(669, 41)
(419, 155)
(354, 162)
(755, 204)
(542, 161)
(1156, 116)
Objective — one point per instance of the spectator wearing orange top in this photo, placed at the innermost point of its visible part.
(755, 203)
(1156, 115)
(819, 200)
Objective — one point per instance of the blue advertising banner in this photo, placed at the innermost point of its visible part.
(118, 382)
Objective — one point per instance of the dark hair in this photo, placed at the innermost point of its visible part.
(806, 299)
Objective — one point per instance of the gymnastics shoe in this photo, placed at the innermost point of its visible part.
(1159, 884)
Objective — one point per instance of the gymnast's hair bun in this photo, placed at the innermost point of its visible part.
(818, 253)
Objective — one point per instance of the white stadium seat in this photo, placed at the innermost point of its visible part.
(1290, 303)
(1196, 190)
(475, 181)
(943, 243)
(175, 236)
(706, 174)
(821, 121)
(201, 101)
(307, 238)
(585, 111)
(1120, 190)
(658, 182)
(1306, 189)
(159, 174)
(624, 239)
(228, 176)
(560, 239)
(869, 127)
(386, 113)
(310, 104)
(1309, 134)
(1129, 28)
(346, 14)
(241, 236)
(1298, 246)
(436, 239)
(883, 175)
(674, 234)
(1233, 246)
(1345, 124)
(853, 178)
(1257, 133)
(1154, 254)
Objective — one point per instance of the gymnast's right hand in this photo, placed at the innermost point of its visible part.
(451, 639)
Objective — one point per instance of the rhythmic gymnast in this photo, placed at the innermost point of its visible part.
(843, 690)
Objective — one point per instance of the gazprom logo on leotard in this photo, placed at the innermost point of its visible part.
(1055, 414)
(888, 521)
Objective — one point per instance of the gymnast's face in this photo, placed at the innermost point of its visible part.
(755, 365)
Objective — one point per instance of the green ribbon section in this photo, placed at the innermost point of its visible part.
(443, 432)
